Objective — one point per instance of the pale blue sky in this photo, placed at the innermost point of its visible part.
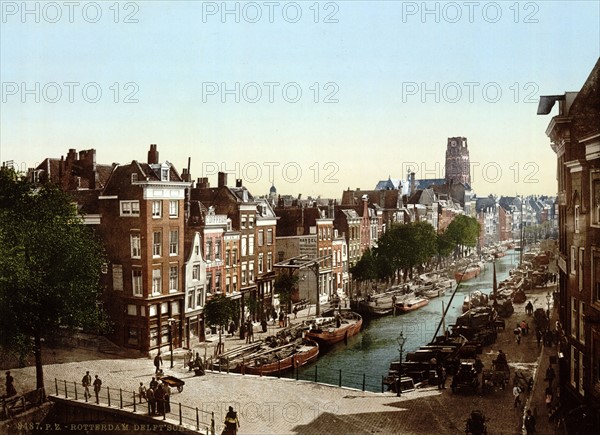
(378, 58)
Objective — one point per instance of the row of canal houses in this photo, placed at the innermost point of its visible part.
(173, 243)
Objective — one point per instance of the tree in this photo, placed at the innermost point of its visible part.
(50, 264)
(365, 268)
(218, 311)
(462, 231)
(285, 285)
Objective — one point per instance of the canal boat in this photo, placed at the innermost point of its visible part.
(330, 330)
(272, 361)
(469, 273)
(411, 304)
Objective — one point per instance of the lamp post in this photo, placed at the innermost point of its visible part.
(401, 340)
(548, 299)
(171, 323)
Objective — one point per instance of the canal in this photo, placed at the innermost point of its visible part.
(367, 356)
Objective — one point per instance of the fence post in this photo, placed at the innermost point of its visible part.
(65, 389)
(180, 415)
(197, 420)
(316, 373)
(382, 381)
(364, 378)
(108, 392)
(134, 401)
(297, 372)
(164, 409)
(75, 384)
(56, 385)
(120, 398)
(340, 383)
(227, 365)
(212, 423)
(279, 368)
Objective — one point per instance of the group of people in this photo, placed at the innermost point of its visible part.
(521, 330)
(158, 396)
(86, 382)
(194, 363)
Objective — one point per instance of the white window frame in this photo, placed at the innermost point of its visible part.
(581, 318)
(136, 282)
(251, 244)
(196, 272)
(156, 281)
(173, 208)
(173, 243)
(129, 208)
(270, 236)
(156, 209)
(173, 278)
(573, 260)
(574, 318)
(191, 298)
(269, 261)
(156, 245)
(261, 237)
(260, 262)
(117, 272)
(136, 245)
(576, 216)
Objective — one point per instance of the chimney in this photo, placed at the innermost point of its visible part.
(413, 183)
(153, 155)
(238, 182)
(185, 175)
(202, 183)
(222, 179)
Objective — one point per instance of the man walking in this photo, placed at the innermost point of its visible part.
(86, 381)
(529, 423)
(157, 362)
(517, 394)
(97, 387)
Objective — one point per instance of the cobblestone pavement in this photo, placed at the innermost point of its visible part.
(283, 406)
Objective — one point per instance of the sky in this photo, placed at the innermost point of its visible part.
(315, 97)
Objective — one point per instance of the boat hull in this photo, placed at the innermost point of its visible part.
(411, 305)
(332, 336)
(470, 273)
(297, 359)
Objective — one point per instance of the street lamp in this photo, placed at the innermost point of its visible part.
(171, 321)
(548, 299)
(401, 340)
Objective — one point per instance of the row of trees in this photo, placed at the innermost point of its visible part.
(406, 247)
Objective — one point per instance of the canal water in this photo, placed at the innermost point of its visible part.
(367, 356)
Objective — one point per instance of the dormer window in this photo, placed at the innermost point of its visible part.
(164, 174)
(134, 177)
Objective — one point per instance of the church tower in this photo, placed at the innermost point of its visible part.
(458, 169)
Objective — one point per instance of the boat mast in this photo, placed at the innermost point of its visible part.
(522, 233)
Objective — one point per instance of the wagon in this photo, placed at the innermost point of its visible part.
(497, 376)
(465, 378)
(174, 382)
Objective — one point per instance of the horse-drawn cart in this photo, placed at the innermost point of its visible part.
(497, 376)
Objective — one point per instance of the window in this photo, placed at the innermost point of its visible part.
(133, 336)
(580, 276)
(136, 278)
(269, 237)
(251, 245)
(173, 242)
(196, 249)
(595, 199)
(164, 174)
(130, 208)
(234, 256)
(209, 250)
(261, 235)
(251, 271)
(244, 274)
(173, 278)
(269, 261)
(227, 259)
(260, 263)
(573, 366)
(156, 282)
(576, 219)
(582, 322)
(156, 209)
(217, 249)
(191, 301)
(209, 283)
(134, 177)
(173, 209)
(200, 296)
(234, 283)
(131, 310)
(218, 282)
(196, 272)
(136, 246)
(574, 318)
(244, 245)
(227, 284)
(156, 245)
(573, 260)
(117, 270)
(595, 276)
(243, 223)
(581, 373)
(250, 221)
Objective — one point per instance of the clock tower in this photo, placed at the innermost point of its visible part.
(458, 169)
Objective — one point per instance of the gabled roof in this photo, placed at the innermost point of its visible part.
(389, 184)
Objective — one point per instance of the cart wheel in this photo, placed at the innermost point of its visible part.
(180, 388)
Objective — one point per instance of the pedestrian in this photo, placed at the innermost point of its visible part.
(142, 392)
(517, 332)
(97, 387)
(529, 423)
(281, 319)
(539, 335)
(501, 357)
(157, 362)
(548, 397)
(529, 308)
(151, 401)
(550, 375)
(231, 328)
(250, 336)
(273, 315)
(242, 330)
(517, 394)
(295, 311)
(86, 381)
(10, 387)
(263, 324)
(478, 365)
(441, 372)
(231, 422)
(153, 384)
(523, 328)
(167, 398)
(159, 395)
